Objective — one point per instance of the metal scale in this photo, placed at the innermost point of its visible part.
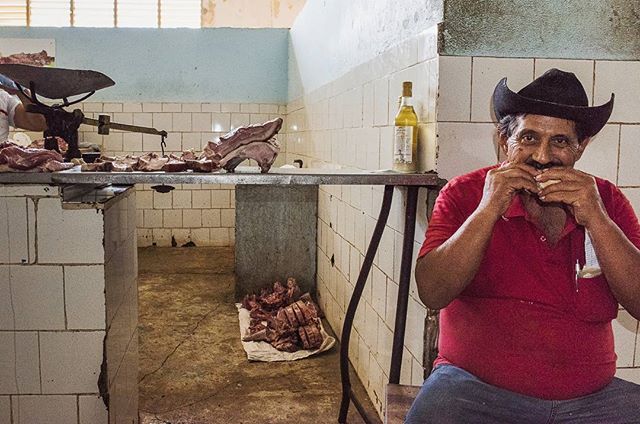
(60, 84)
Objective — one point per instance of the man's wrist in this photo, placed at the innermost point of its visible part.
(600, 222)
(486, 214)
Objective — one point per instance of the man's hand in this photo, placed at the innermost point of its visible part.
(576, 189)
(502, 183)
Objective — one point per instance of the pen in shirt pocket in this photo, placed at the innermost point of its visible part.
(577, 273)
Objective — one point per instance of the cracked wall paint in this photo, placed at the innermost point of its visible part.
(250, 13)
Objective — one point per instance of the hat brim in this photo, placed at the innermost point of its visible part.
(592, 119)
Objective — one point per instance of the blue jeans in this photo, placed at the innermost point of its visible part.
(451, 395)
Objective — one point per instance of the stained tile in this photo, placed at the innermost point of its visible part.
(152, 218)
(162, 200)
(92, 410)
(36, 300)
(201, 121)
(14, 232)
(629, 374)
(608, 79)
(71, 361)
(58, 227)
(381, 102)
(85, 297)
(172, 218)
(600, 158)
(465, 147)
(633, 194)
(181, 199)
(629, 156)
(56, 409)
(192, 218)
(163, 121)
(19, 363)
(454, 89)
(193, 107)
(182, 122)
(219, 236)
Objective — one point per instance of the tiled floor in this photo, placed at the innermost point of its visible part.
(192, 365)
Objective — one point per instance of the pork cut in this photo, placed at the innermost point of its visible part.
(15, 158)
(284, 318)
(254, 142)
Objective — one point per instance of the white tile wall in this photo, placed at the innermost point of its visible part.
(454, 91)
(84, 297)
(50, 351)
(629, 374)
(14, 240)
(629, 156)
(19, 363)
(190, 127)
(601, 155)
(627, 90)
(91, 410)
(71, 361)
(34, 298)
(463, 147)
(44, 409)
(58, 227)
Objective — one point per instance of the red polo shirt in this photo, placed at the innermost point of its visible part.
(521, 324)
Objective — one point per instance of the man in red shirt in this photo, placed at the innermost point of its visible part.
(528, 261)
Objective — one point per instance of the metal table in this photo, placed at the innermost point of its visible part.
(295, 176)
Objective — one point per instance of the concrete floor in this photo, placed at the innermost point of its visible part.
(193, 369)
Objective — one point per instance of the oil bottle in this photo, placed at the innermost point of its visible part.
(405, 140)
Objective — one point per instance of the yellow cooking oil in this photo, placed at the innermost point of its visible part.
(405, 140)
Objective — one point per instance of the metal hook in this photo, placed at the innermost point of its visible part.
(163, 143)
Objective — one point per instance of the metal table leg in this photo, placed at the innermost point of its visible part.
(347, 394)
(403, 289)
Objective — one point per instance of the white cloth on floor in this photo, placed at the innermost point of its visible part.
(263, 351)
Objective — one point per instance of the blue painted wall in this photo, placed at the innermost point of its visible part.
(181, 65)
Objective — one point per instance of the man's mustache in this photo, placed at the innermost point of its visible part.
(540, 166)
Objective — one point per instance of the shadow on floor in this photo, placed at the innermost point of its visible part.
(193, 369)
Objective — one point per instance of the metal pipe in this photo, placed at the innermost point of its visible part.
(403, 289)
(355, 299)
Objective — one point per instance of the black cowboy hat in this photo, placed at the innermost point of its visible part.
(555, 93)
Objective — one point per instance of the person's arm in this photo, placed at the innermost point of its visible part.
(444, 272)
(26, 120)
(619, 258)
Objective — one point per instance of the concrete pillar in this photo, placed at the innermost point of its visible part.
(275, 236)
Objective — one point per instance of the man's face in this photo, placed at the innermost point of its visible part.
(543, 142)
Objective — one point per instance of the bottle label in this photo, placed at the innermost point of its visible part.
(402, 144)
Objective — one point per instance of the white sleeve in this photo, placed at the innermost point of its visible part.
(8, 103)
